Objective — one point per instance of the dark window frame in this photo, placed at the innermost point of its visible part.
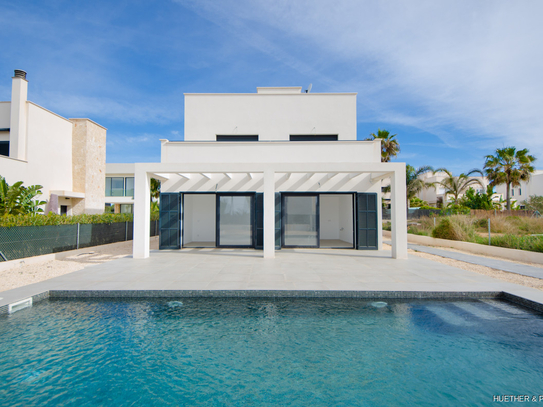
(3, 145)
(246, 137)
(313, 137)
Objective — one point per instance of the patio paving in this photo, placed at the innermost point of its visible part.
(291, 270)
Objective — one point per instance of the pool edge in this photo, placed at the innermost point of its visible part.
(437, 295)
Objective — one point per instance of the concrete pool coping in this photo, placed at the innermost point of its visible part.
(323, 273)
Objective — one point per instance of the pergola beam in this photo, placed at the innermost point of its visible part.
(379, 177)
(144, 171)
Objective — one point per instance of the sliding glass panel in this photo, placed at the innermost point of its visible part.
(129, 186)
(301, 227)
(117, 186)
(235, 220)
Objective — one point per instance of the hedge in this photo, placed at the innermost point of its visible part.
(53, 219)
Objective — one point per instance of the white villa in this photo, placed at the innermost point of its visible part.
(66, 156)
(279, 168)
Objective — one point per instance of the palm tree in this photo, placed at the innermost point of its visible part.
(457, 185)
(16, 199)
(509, 166)
(412, 181)
(389, 146)
(155, 189)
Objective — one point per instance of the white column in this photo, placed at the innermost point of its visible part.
(379, 217)
(18, 119)
(269, 214)
(398, 214)
(142, 213)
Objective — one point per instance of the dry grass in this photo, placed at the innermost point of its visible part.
(466, 226)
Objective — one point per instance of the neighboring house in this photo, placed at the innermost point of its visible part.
(65, 156)
(279, 168)
(519, 194)
(436, 196)
(119, 188)
(534, 186)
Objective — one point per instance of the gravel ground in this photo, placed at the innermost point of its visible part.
(34, 273)
(487, 271)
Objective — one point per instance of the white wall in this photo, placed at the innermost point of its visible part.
(117, 169)
(199, 218)
(279, 152)
(49, 153)
(5, 111)
(271, 116)
(49, 149)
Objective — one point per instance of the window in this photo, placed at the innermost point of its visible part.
(237, 138)
(119, 186)
(126, 208)
(520, 191)
(512, 191)
(313, 137)
(129, 186)
(4, 148)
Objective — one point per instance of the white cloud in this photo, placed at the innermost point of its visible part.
(448, 68)
(119, 110)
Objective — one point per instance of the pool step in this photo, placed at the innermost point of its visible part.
(477, 311)
(448, 316)
(511, 309)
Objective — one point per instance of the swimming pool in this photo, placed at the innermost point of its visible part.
(213, 351)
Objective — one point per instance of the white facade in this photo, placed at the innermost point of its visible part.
(534, 186)
(272, 113)
(260, 156)
(66, 157)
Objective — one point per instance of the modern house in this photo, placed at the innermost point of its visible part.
(436, 196)
(534, 186)
(119, 188)
(66, 156)
(279, 168)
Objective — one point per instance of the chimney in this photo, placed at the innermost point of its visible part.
(18, 118)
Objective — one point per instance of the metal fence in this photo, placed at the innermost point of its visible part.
(26, 241)
(414, 213)
(504, 212)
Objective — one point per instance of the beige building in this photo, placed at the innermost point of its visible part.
(66, 156)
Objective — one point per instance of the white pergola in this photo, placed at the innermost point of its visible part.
(145, 171)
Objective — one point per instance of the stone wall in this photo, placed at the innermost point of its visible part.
(89, 166)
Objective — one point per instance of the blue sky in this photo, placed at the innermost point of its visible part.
(454, 80)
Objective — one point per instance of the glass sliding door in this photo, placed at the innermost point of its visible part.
(300, 221)
(235, 220)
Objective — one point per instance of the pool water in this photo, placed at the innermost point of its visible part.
(254, 352)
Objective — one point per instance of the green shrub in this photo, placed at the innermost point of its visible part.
(445, 230)
(387, 226)
(53, 219)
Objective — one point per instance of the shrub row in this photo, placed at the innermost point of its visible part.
(463, 229)
(530, 243)
(52, 219)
